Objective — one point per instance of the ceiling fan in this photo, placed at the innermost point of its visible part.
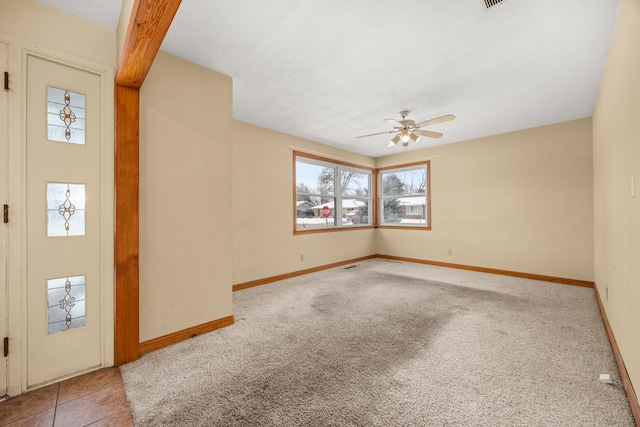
(408, 130)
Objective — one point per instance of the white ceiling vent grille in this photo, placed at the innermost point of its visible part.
(488, 4)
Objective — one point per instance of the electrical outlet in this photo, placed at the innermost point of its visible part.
(606, 378)
(301, 257)
(449, 251)
(606, 293)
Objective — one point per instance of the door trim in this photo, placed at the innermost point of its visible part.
(4, 163)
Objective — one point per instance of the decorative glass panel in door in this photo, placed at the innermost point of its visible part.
(64, 289)
(66, 303)
(65, 116)
(65, 209)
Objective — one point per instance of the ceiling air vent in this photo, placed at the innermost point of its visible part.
(488, 4)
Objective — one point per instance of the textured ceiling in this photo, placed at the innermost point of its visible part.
(102, 12)
(331, 70)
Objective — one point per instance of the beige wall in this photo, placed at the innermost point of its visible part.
(616, 134)
(263, 240)
(123, 25)
(520, 201)
(50, 27)
(185, 197)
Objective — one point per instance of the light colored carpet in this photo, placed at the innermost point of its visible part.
(390, 344)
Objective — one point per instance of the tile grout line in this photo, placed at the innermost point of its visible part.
(97, 390)
(106, 417)
(104, 387)
(55, 407)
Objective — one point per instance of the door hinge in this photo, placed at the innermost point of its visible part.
(6, 346)
(6, 81)
(6, 213)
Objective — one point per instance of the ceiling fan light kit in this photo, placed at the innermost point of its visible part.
(394, 141)
(408, 130)
(405, 136)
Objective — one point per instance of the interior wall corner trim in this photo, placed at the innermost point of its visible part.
(271, 279)
(532, 276)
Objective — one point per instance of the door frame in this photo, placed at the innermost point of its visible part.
(19, 51)
(4, 163)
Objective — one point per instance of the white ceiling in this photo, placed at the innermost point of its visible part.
(331, 70)
(102, 12)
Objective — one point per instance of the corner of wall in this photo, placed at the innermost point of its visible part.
(123, 25)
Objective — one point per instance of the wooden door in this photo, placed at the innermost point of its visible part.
(63, 221)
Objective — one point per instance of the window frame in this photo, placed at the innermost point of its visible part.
(338, 197)
(401, 168)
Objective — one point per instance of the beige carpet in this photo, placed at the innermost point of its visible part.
(390, 344)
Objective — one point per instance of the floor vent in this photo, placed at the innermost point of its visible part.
(351, 266)
(488, 4)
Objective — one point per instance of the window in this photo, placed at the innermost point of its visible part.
(404, 196)
(322, 185)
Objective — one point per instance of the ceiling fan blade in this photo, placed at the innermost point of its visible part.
(428, 133)
(379, 133)
(437, 120)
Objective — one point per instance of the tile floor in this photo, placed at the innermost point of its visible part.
(93, 399)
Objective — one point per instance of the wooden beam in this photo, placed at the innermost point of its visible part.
(150, 21)
(126, 244)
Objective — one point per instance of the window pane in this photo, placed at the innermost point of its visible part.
(65, 116)
(304, 205)
(314, 179)
(404, 210)
(321, 215)
(391, 211)
(355, 212)
(414, 210)
(354, 184)
(66, 303)
(65, 209)
(405, 182)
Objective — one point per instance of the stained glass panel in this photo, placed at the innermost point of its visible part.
(65, 209)
(66, 303)
(65, 116)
